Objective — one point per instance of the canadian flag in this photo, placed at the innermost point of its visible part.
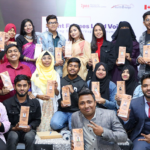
(146, 7)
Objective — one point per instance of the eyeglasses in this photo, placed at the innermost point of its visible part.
(147, 20)
(50, 23)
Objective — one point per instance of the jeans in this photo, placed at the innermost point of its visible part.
(60, 120)
(19, 136)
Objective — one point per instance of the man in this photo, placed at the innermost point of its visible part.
(75, 84)
(13, 107)
(138, 119)
(14, 68)
(51, 39)
(144, 40)
(101, 128)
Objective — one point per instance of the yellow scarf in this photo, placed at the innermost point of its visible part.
(42, 73)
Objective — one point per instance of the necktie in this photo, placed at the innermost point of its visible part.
(149, 109)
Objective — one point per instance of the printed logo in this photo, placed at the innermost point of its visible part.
(75, 89)
(92, 6)
(123, 6)
(146, 7)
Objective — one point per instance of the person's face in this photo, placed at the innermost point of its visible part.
(74, 32)
(12, 33)
(13, 54)
(28, 28)
(46, 60)
(52, 25)
(101, 72)
(98, 32)
(125, 75)
(146, 87)
(147, 22)
(73, 68)
(124, 27)
(87, 105)
(22, 88)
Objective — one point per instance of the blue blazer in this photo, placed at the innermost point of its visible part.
(137, 117)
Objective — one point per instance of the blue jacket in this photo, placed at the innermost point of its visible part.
(46, 39)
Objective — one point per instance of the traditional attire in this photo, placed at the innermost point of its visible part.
(39, 87)
(126, 38)
(82, 51)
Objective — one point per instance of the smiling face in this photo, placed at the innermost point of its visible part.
(98, 32)
(12, 33)
(28, 28)
(73, 68)
(101, 72)
(46, 60)
(147, 22)
(125, 75)
(74, 32)
(52, 25)
(146, 87)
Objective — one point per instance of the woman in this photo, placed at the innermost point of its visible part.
(102, 47)
(124, 36)
(44, 72)
(26, 43)
(4, 126)
(107, 88)
(10, 30)
(128, 75)
(80, 49)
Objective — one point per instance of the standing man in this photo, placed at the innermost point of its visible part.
(13, 106)
(101, 128)
(51, 39)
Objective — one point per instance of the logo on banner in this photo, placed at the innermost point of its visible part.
(92, 6)
(146, 7)
(123, 6)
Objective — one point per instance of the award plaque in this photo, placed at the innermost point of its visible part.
(120, 88)
(66, 96)
(146, 53)
(2, 41)
(78, 139)
(6, 80)
(94, 59)
(121, 55)
(58, 54)
(96, 90)
(24, 116)
(38, 50)
(50, 88)
(125, 104)
(68, 49)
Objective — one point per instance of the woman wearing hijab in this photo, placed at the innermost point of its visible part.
(128, 75)
(102, 47)
(10, 30)
(124, 36)
(44, 72)
(108, 89)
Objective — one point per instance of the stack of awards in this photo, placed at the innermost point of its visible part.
(78, 139)
(94, 59)
(121, 55)
(2, 41)
(96, 90)
(50, 88)
(68, 49)
(146, 53)
(66, 96)
(38, 50)
(58, 54)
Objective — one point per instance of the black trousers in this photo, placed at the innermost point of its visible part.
(2, 145)
(14, 137)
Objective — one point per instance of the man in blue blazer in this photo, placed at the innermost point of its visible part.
(138, 119)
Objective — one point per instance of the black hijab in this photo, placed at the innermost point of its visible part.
(124, 37)
(131, 83)
(104, 83)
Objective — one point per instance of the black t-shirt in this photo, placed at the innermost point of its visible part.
(147, 42)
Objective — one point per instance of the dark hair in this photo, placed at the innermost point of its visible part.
(22, 32)
(9, 46)
(145, 76)
(86, 91)
(51, 17)
(20, 77)
(94, 42)
(74, 60)
(78, 27)
(145, 14)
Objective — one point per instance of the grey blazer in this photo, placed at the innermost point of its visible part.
(113, 129)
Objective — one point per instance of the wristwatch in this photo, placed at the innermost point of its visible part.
(102, 134)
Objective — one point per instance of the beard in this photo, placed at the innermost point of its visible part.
(21, 95)
(147, 96)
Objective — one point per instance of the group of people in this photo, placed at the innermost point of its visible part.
(101, 125)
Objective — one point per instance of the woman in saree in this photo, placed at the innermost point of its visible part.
(80, 49)
(44, 72)
(26, 43)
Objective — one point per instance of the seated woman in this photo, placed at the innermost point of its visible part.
(108, 89)
(80, 49)
(26, 43)
(44, 72)
(103, 48)
(128, 75)
(124, 36)
(10, 30)
(4, 126)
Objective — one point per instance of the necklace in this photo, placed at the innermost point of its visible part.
(29, 37)
(77, 40)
